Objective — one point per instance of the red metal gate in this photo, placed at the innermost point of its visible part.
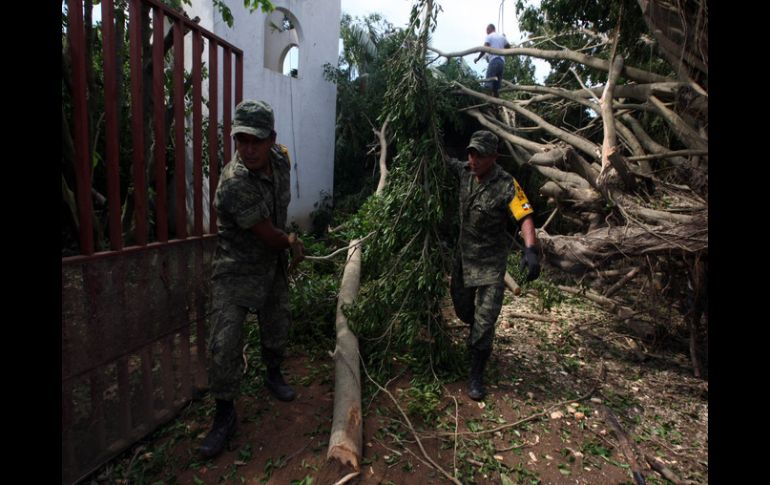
(134, 316)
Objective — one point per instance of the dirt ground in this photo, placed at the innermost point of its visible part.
(542, 368)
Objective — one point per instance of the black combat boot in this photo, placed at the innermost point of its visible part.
(221, 431)
(476, 389)
(277, 386)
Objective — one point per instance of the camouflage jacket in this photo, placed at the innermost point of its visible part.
(488, 212)
(243, 198)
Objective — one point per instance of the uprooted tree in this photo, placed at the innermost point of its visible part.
(615, 145)
(618, 143)
(625, 163)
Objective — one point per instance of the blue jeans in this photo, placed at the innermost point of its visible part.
(495, 69)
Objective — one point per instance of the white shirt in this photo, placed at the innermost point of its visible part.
(498, 42)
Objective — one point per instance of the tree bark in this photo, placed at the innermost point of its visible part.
(516, 140)
(510, 283)
(346, 433)
(577, 141)
(382, 136)
(610, 154)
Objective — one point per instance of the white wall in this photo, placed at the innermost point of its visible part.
(305, 107)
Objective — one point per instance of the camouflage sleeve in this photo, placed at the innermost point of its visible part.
(284, 150)
(519, 204)
(245, 203)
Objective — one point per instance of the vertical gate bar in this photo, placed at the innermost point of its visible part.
(111, 135)
(159, 118)
(179, 166)
(213, 133)
(167, 371)
(124, 400)
(197, 133)
(82, 160)
(137, 128)
(227, 102)
(238, 77)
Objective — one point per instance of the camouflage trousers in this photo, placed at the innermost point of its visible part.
(479, 307)
(227, 333)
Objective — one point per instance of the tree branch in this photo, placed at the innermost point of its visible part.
(610, 154)
(579, 142)
(632, 73)
(381, 135)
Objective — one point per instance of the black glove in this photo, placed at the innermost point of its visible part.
(530, 260)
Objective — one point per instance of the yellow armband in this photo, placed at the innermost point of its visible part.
(520, 206)
(285, 151)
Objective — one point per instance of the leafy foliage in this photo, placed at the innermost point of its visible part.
(423, 400)
(361, 82)
(313, 297)
(405, 262)
(265, 5)
(588, 26)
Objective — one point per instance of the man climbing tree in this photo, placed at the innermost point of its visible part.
(496, 63)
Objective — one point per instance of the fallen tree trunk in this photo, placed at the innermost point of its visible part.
(346, 434)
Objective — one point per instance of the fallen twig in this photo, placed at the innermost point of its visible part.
(329, 256)
(666, 472)
(516, 447)
(511, 284)
(409, 425)
(347, 478)
(625, 443)
(531, 316)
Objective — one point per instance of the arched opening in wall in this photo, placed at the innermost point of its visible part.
(291, 62)
(283, 38)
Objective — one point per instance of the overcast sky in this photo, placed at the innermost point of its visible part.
(460, 25)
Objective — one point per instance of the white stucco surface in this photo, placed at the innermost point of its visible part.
(304, 106)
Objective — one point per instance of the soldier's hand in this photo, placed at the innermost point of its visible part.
(297, 249)
(530, 261)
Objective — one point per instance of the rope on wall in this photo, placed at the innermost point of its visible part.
(293, 136)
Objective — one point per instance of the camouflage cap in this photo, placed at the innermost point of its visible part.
(253, 118)
(485, 142)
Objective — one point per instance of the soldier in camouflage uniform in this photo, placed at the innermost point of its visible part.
(250, 263)
(491, 203)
